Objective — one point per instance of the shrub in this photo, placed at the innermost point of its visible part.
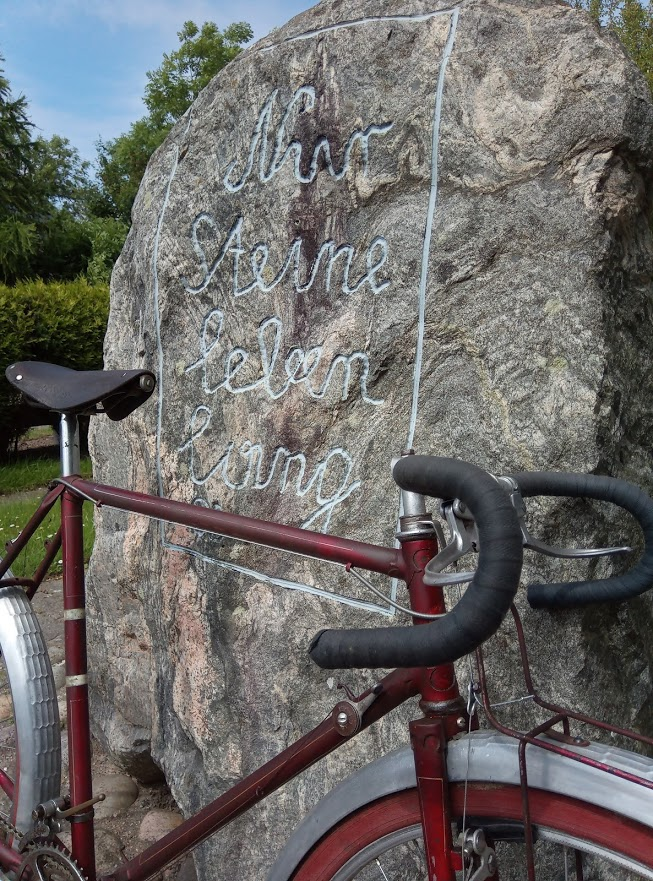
(61, 322)
(107, 236)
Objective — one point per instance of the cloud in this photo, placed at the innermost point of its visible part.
(82, 130)
(163, 16)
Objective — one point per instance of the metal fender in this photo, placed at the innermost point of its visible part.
(486, 756)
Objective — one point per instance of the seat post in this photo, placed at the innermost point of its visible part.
(69, 444)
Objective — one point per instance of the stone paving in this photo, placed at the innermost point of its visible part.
(133, 815)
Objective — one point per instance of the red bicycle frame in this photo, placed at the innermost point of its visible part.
(444, 711)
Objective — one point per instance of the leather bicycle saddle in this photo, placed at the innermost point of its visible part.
(114, 392)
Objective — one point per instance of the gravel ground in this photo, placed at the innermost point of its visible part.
(133, 815)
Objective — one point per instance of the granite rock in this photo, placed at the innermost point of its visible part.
(120, 793)
(157, 823)
(425, 227)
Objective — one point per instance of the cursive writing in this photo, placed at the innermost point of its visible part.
(241, 467)
(303, 101)
(300, 366)
(328, 257)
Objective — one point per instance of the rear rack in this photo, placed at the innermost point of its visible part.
(557, 742)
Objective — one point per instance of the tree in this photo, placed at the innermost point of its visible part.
(59, 176)
(55, 221)
(107, 236)
(16, 149)
(121, 165)
(632, 21)
(170, 91)
(43, 234)
(173, 87)
(17, 232)
(60, 184)
(44, 200)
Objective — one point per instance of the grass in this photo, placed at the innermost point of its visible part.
(22, 476)
(14, 514)
(26, 474)
(39, 432)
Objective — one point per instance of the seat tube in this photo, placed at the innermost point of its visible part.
(69, 444)
(74, 596)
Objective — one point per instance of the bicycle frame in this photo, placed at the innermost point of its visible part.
(444, 711)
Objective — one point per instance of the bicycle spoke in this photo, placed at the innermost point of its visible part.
(378, 862)
(7, 744)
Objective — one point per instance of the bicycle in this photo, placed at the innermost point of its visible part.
(468, 795)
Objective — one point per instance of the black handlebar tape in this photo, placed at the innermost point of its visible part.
(607, 489)
(484, 604)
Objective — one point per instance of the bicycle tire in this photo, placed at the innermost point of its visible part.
(30, 734)
(354, 848)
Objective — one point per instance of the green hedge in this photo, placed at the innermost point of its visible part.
(61, 322)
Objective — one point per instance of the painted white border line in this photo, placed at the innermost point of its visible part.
(308, 35)
(433, 195)
(280, 582)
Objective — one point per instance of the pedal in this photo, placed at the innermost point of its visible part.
(51, 812)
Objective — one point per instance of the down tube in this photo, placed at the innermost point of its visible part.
(396, 688)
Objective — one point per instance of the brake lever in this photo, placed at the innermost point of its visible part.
(534, 544)
(443, 579)
(540, 547)
(464, 538)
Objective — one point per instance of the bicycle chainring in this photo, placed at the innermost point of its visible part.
(48, 862)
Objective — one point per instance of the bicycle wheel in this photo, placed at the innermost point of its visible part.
(383, 840)
(30, 741)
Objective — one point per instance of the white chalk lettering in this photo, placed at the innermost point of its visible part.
(256, 268)
(303, 101)
(328, 257)
(242, 467)
(299, 367)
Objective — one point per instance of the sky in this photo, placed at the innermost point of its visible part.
(82, 64)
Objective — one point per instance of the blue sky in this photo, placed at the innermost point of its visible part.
(81, 64)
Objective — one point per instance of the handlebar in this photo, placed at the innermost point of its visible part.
(607, 489)
(482, 607)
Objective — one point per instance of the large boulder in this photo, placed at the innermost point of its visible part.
(379, 227)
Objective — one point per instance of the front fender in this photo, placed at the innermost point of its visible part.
(490, 757)
(391, 773)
